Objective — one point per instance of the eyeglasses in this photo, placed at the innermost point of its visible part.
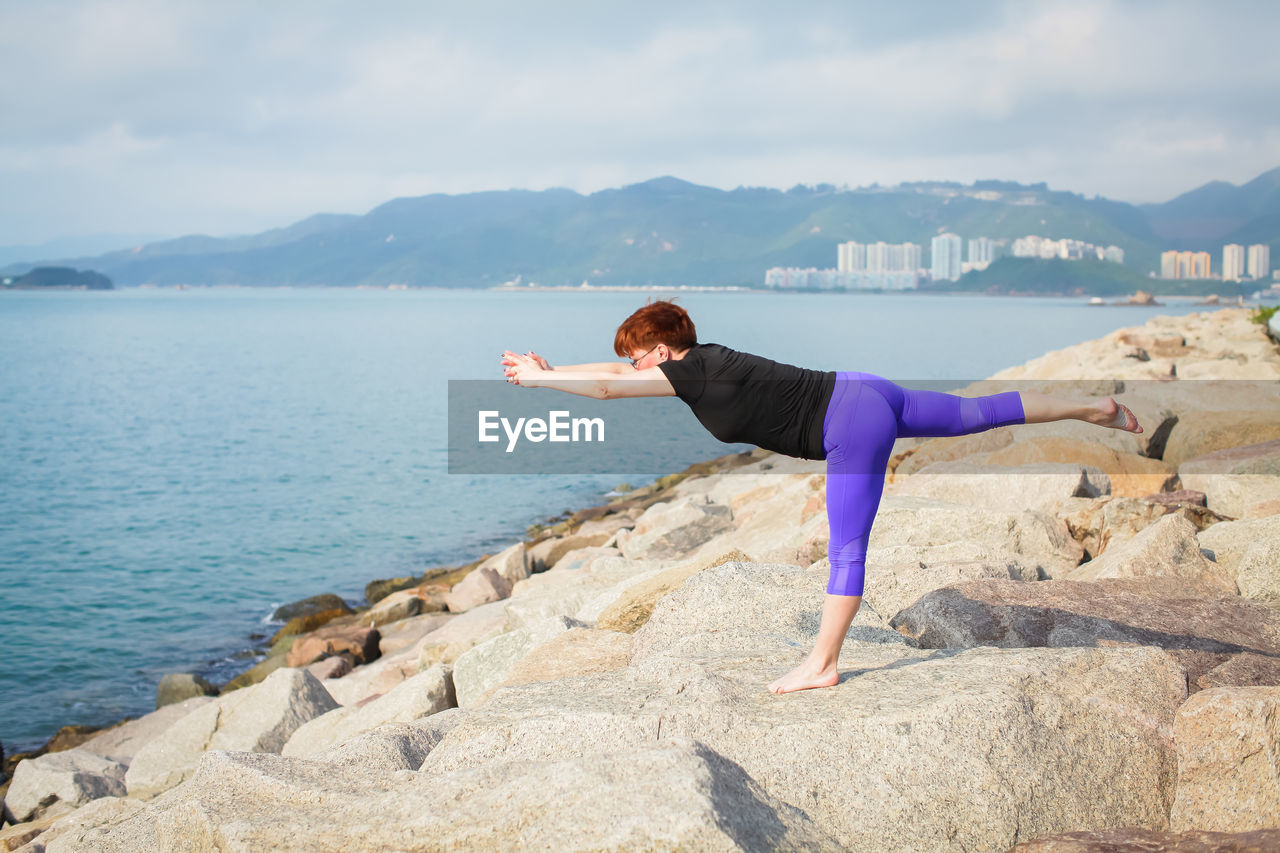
(635, 361)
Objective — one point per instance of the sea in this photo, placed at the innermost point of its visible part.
(176, 463)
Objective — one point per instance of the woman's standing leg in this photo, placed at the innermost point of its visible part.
(858, 436)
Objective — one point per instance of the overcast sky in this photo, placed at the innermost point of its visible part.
(132, 116)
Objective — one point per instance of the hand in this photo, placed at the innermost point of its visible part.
(522, 369)
(539, 360)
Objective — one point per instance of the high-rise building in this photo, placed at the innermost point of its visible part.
(1185, 265)
(852, 257)
(982, 250)
(945, 250)
(1259, 261)
(1169, 264)
(1232, 262)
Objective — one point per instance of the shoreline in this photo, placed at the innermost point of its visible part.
(72, 733)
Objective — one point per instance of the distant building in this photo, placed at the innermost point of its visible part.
(1114, 254)
(1185, 265)
(1169, 264)
(785, 278)
(1259, 261)
(982, 251)
(1232, 262)
(945, 257)
(878, 257)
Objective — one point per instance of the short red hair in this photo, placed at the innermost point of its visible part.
(661, 322)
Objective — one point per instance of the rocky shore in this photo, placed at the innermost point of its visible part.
(1081, 653)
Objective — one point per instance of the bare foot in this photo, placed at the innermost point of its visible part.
(1117, 416)
(805, 677)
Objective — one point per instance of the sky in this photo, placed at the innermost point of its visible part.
(165, 118)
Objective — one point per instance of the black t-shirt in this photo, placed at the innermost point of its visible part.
(741, 397)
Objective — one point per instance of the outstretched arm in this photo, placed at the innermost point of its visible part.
(602, 385)
(594, 367)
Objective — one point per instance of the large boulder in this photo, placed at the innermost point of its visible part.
(361, 643)
(899, 584)
(512, 563)
(548, 552)
(1200, 433)
(260, 718)
(79, 830)
(1130, 474)
(1037, 540)
(481, 586)
(1104, 522)
(673, 530)
(175, 687)
(1201, 632)
(392, 746)
(462, 632)
(673, 795)
(1008, 488)
(738, 606)
(308, 606)
(405, 604)
(1240, 482)
(424, 694)
(912, 750)
(121, 743)
(1167, 549)
(488, 664)
(632, 607)
(58, 782)
(1249, 551)
(1228, 743)
(1133, 840)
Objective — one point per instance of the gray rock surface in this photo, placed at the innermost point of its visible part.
(58, 782)
(675, 795)
(177, 687)
(425, 693)
(1249, 551)
(260, 718)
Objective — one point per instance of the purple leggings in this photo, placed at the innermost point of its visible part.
(866, 413)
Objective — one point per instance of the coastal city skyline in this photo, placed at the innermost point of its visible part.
(343, 109)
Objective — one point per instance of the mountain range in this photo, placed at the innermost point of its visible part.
(667, 231)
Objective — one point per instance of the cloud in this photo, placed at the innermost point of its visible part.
(238, 116)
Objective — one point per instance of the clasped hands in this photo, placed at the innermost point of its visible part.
(520, 369)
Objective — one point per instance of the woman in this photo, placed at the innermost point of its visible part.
(849, 419)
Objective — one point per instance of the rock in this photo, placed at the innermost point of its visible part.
(581, 557)
(633, 608)
(578, 651)
(1240, 482)
(898, 585)
(1099, 523)
(672, 530)
(361, 643)
(674, 795)
(1228, 742)
(1000, 487)
(479, 587)
(334, 667)
(1243, 670)
(375, 591)
(1008, 716)
(307, 606)
(392, 746)
(305, 624)
(1130, 474)
(260, 718)
(1178, 497)
(1201, 632)
(736, 607)
(487, 665)
(547, 553)
(945, 449)
(567, 592)
(398, 636)
(1132, 840)
(58, 782)
(1167, 549)
(423, 694)
(15, 836)
(1200, 433)
(1249, 551)
(510, 563)
(121, 743)
(1036, 540)
(77, 830)
(462, 632)
(405, 604)
(176, 687)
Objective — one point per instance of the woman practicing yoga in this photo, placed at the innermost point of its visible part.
(849, 419)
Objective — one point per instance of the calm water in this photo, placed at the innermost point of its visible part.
(174, 464)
